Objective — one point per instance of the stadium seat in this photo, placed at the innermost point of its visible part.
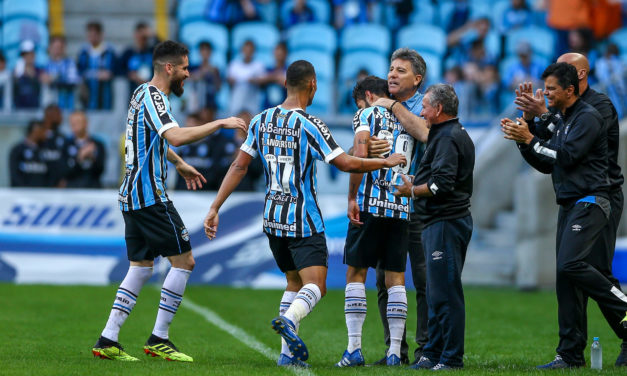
(422, 38)
(218, 58)
(498, 10)
(190, 11)
(32, 9)
(323, 101)
(445, 12)
(264, 35)
(268, 11)
(365, 37)
(193, 33)
(351, 63)
(320, 8)
(492, 44)
(434, 68)
(619, 37)
(18, 29)
(481, 9)
(312, 36)
(424, 13)
(323, 62)
(541, 39)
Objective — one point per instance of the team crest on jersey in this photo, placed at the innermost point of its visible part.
(185, 234)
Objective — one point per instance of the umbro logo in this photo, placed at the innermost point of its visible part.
(437, 255)
(576, 228)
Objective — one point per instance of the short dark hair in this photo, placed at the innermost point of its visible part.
(373, 84)
(299, 73)
(168, 52)
(94, 25)
(32, 125)
(205, 44)
(565, 74)
(141, 25)
(55, 37)
(443, 94)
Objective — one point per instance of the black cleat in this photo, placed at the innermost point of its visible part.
(621, 361)
(559, 363)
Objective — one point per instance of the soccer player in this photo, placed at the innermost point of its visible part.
(153, 226)
(379, 224)
(289, 141)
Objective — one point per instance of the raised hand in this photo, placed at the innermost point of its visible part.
(235, 123)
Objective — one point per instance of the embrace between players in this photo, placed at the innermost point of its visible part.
(385, 225)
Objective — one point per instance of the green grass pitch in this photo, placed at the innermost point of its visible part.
(49, 330)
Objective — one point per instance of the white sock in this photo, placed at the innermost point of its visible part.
(304, 302)
(397, 315)
(171, 296)
(286, 301)
(125, 299)
(355, 312)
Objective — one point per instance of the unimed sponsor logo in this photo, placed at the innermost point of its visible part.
(59, 215)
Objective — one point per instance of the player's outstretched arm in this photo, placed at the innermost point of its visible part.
(233, 177)
(415, 125)
(193, 178)
(348, 163)
(178, 136)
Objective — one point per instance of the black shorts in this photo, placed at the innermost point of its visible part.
(156, 230)
(379, 240)
(299, 253)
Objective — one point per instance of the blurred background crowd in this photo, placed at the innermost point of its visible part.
(59, 70)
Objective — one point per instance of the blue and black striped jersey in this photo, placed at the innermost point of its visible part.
(149, 115)
(289, 142)
(374, 194)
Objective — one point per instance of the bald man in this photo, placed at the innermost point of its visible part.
(533, 106)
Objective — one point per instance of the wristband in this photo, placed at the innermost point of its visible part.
(412, 193)
(392, 106)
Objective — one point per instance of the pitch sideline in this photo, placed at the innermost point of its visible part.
(239, 334)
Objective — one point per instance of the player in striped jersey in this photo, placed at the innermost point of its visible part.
(153, 226)
(289, 142)
(378, 229)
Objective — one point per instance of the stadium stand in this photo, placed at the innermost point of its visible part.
(315, 36)
(194, 32)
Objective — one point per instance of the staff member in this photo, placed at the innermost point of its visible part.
(442, 189)
(534, 106)
(576, 156)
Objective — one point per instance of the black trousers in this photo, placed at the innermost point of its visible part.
(583, 266)
(419, 276)
(603, 262)
(445, 243)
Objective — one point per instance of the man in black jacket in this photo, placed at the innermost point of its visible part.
(576, 156)
(443, 186)
(534, 106)
(26, 163)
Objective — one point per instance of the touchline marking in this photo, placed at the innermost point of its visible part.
(239, 334)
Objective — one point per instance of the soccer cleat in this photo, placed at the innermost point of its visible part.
(624, 321)
(354, 359)
(286, 329)
(621, 361)
(423, 363)
(392, 360)
(107, 349)
(156, 346)
(557, 363)
(286, 361)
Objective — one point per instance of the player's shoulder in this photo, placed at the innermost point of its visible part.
(309, 118)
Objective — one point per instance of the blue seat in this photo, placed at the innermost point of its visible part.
(422, 38)
(190, 11)
(323, 62)
(32, 9)
(619, 37)
(424, 13)
(264, 35)
(192, 33)
(312, 36)
(445, 12)
(322, 104)
(434, 68)
(480, 9)
(268, 11)
(365, 37)
(351, 63)
(320, 8)
(541, 40)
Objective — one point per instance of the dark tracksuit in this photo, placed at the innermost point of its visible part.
(576, 156)
(27, 166)
(447, 169)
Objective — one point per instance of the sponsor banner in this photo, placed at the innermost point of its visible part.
(77, 237)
